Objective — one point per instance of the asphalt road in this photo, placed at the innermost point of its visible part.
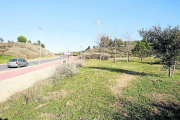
(34, 62)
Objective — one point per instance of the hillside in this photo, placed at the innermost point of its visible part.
(109, 51)
(23, 50)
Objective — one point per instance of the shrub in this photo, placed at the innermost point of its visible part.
(29, 41)
(42, 45)
(22, 39)
(96, 56)
(66, 70)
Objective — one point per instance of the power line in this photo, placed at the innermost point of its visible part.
(87, 30)
(29, 30)
(130, 8)
(51, 38)
(144, 10)
(48, 36)
(17, 28)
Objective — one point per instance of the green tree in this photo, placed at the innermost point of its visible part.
(121, 43)
(104, 43)
(118, 42)
(141, 49)
(88, 48)
(110, 43)
(38, 42)
(42, 45)
(29, 41)
(1, 39)
(22, 39)
(166, 44)
(134, 42)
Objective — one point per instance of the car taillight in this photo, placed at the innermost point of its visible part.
(16, 62)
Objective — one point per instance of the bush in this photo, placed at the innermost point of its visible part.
(35, 44)
(112, 56)
(22, 39)
(42, 45)
(97, 56)
(67, 70)
(29, 41)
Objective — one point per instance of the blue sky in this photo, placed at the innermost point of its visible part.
(75, 20)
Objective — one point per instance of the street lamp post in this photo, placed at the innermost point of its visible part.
(40, 46)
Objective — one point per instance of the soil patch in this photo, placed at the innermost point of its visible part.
(158, 97)
(56, 95)
(69, 103)
(121, 82)
(40, 106)
(48, 116)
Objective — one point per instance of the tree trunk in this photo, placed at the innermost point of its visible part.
(100, 56)
(170, 71)
(141, 59)
(128, 56)
(115, 56)
(103, 54)
(174, 69)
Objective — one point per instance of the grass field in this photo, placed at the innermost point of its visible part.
(101, 90)
(4, 59)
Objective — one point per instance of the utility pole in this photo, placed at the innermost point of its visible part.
(98, 35)
(40, 46)
(81, 53)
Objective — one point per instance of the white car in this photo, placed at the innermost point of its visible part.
(17, 62)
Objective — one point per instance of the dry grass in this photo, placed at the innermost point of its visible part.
(158, 97)
(96, 56)
(55, 95)
(109, 52)
(121, 82)
(47, 116)
(69, 103)
(23, 50)
(68, 69)
(40, 106)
